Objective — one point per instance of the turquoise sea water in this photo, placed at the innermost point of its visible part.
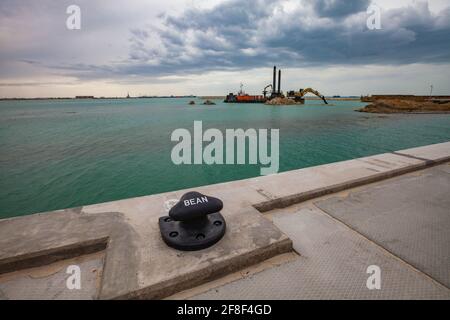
(59, 154)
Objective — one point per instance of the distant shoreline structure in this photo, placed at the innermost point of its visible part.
(343, 98)
(99, 98)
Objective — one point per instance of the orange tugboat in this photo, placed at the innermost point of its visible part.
(243, 97)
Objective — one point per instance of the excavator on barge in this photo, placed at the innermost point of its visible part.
(275, 92)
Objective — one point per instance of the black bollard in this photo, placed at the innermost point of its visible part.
(194, 223)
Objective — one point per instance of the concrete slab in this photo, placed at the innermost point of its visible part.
(49, 282)
(295, 186)
(41, 239)
(408, 215)
(241, 274)
(439, 152)
(333, 265)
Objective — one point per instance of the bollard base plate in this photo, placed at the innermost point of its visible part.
(194, 234)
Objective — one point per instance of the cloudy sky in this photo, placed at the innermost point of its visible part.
(208, 47)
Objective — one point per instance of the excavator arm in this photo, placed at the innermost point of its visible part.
(265, 89)
(302, 92)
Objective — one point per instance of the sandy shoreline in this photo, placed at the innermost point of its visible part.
(406, 106)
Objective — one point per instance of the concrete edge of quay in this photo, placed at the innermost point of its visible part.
(137, 263)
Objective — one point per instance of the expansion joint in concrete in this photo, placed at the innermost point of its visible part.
(428, 162)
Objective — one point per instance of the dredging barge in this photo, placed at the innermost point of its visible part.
(297, 96)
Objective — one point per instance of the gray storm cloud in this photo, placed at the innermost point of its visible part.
(232, 35)
(235, 35)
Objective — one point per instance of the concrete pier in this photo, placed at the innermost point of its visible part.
(331, 221)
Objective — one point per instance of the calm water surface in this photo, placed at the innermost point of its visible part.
(60, 154)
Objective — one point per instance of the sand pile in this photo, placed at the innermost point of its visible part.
(281, 102)
(404, 106)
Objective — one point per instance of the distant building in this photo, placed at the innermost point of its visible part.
(84, 97)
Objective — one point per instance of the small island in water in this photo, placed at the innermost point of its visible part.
(406, 104)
